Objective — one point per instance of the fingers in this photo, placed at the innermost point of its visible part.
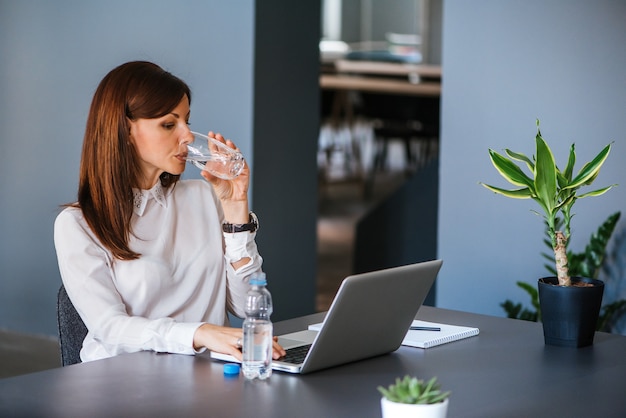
(236, 352)
(220, 339)
(221, 138)
(278, 350)
(209, 177)
(228, 340)
(235, 344)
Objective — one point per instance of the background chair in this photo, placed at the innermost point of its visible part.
(410, 119)
(72, 329)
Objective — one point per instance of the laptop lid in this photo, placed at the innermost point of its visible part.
(369, 316)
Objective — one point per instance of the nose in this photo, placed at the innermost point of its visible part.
(186, 137)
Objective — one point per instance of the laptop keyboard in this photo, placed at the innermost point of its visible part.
(296, 355)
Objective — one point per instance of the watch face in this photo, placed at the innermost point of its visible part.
(254, 220)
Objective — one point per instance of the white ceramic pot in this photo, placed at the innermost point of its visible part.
(405, 410)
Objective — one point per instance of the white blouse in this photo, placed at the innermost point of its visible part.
(182, 279)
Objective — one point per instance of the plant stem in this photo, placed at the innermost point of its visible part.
(560, 256)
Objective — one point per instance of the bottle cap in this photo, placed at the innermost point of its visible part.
(231, 369)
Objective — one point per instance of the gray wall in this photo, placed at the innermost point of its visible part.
(53, 54)
(506, 63)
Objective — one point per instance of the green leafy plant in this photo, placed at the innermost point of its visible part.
(553, 189)
(517, 311)
(412, 390)
(585, 264)
(614, 272)
(609, 314)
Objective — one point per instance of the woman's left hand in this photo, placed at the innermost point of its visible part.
(229, 190)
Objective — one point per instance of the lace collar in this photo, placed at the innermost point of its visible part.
(141, 198)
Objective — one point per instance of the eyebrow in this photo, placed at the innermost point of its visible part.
(176, 115)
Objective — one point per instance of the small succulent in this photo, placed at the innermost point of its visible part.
(412, 390)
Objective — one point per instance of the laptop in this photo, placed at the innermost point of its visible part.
(369, 316)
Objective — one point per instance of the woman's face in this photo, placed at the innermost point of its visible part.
(158, 143)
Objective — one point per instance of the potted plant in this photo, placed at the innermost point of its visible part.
(569, 305)
(412, 397)
(588, 263)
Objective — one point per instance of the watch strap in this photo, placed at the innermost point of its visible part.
(251, 226)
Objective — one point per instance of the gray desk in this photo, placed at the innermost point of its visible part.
(506, 371)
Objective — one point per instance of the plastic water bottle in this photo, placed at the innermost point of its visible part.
(257, 330)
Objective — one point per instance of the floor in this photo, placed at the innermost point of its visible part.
(341, 204)
(24, 353)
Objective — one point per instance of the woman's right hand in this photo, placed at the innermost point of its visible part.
(220, 339)
(227, 340)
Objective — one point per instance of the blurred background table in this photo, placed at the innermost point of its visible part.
(394, 101)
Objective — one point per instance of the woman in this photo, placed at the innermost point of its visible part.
(143, 255)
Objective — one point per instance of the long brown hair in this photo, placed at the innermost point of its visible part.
(108, 167)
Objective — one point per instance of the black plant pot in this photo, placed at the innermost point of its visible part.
(569, 313)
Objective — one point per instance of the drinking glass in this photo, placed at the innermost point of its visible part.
(214, 156)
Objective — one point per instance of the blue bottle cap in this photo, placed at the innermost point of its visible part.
(231, 369)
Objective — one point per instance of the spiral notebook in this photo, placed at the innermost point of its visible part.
(427, 339)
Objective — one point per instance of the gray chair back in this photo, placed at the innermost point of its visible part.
(72, 329)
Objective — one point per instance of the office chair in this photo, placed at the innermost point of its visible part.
(72, 329)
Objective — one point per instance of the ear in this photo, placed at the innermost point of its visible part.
(131, 130)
